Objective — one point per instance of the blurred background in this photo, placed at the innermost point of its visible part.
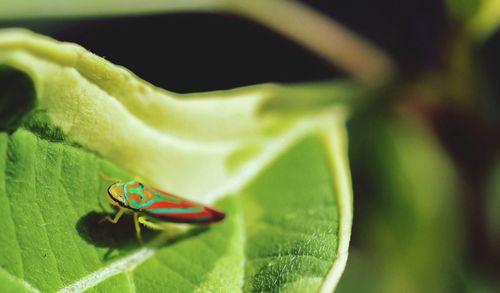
(423, 148)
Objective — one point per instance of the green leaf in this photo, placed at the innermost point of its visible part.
(481, 17)
(278, 170)
(409, 232)
(487, 20)
(463, 9)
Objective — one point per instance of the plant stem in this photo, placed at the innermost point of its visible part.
(14, 10)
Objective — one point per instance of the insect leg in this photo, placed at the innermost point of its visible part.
(170, 229)
(150, 225)
(138, 228)
(115, 219)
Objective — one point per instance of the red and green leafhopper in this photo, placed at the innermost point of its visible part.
(147, 202)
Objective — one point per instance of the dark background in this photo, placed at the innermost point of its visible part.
(199, 52)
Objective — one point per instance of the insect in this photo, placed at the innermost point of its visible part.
(147, 202)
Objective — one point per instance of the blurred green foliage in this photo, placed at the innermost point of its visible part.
(409, 233)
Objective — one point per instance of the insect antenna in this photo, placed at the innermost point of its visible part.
(107, 178)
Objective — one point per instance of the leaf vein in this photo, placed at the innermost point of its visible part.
(44, 225)
(20, 281)
(16, 233)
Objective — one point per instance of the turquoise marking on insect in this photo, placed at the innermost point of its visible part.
(149, 203)
(167, 198)
(125, 192)
(168, 211)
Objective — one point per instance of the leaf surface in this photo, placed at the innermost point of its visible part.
(272, 157)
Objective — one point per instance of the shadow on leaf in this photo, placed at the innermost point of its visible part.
(118, 236)
(122, 234)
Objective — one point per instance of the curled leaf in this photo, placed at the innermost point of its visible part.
(278, 169)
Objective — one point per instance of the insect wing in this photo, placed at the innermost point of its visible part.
(168, 207)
